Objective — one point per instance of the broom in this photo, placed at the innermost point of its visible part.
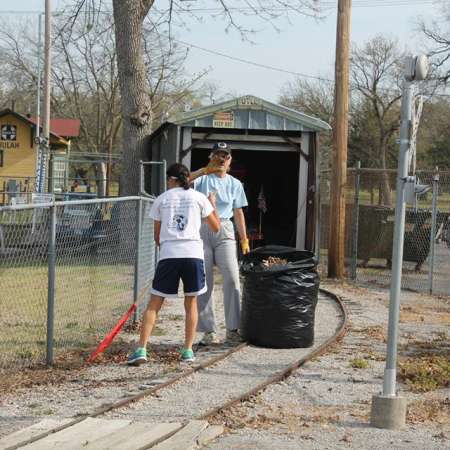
(109, 338)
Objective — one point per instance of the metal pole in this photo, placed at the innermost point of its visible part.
(38, 99)
(51, 284)
(433, 229)
(141, 177)
(390, 372)
(37, 186)
(164, 175)
(47, 74)
(137, 262)
(355, 221)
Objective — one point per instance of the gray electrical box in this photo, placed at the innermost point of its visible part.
(413, 189)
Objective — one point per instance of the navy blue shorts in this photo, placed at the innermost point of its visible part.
(169, 272)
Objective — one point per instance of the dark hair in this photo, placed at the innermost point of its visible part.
(180, 173)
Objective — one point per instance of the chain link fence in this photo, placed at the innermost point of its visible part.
(369, 229)
(70, 269)
(21, 190)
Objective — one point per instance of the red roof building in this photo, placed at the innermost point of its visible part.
(67, 128)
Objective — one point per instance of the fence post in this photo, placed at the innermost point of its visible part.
(433, 229)
(51, 285)
(137, 262)
(164, 175)
(355, 221)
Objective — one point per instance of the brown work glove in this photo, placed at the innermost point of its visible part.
(245, 247)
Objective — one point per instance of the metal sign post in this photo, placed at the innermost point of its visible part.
(433, 230)
(389, 409)
(139, 220)
(141, 174)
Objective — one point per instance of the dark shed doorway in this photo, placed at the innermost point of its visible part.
(275, 175)
(273, 146)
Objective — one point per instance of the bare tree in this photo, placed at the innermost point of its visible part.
(376, 76)
(315, 98)
(437, 34)
(18, 76)
(311, 97)
(129, 17)
(85, 81)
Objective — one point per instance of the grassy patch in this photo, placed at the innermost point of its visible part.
(44, 412)
(374, 356)
(175, 317)
(425, 373)
(439, 346)
(88, 302)
(375, 332)
(359, 363)
(435, 411)
(159, 331)
(424, 313)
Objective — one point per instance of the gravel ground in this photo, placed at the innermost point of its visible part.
(70, 390)
(229, 378)
(326, 404)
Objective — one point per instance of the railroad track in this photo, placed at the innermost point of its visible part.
(216, 367)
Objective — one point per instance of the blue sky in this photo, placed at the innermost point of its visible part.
(305, 46)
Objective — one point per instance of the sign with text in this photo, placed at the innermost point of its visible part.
(8, 136)
(223, 120)
(37, 198)
(18, 201)
(38, 213)
(249, 100)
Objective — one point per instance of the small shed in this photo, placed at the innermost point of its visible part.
(275, 155)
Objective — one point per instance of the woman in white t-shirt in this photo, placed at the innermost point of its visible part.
(177, 215)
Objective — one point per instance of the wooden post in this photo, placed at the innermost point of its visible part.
(340, 137)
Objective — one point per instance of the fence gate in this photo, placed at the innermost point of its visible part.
(370, 213)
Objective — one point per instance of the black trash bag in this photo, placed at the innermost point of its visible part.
(279, 302)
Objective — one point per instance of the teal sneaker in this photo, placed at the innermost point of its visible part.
(187, 355)
(138, 357)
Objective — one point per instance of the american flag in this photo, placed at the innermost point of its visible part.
(262, 201)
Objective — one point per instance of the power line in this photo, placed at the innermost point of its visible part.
(326, 4)
(278, 69)
(252, 63)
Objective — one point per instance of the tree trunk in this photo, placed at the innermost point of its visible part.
(134, 89)
(385, 186)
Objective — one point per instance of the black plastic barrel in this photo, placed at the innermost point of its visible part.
(279, 302)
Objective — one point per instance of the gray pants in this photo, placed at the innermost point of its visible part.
(220, 249)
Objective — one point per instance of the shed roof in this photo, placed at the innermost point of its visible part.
(63, 127)
(253, 113)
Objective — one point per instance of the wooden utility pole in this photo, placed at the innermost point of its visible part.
(340, 137)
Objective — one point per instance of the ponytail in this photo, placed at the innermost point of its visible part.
(184, 181)
(180, 173)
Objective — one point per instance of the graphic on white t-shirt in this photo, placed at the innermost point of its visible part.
(180, 212)
(179, 222)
